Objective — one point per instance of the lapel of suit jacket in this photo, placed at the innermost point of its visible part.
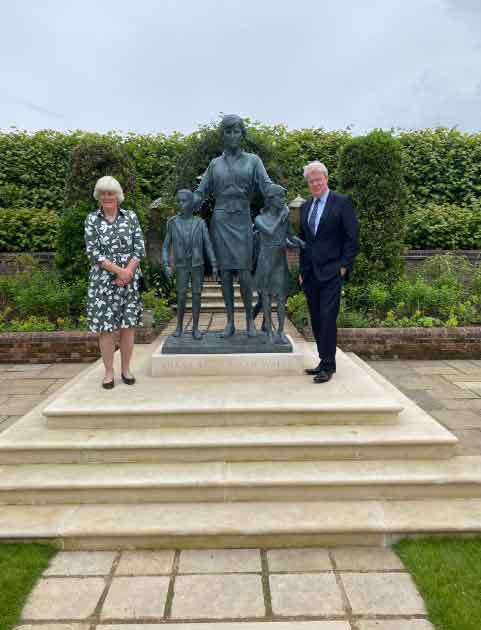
(327, 209)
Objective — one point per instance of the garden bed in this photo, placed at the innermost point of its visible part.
(409, 343)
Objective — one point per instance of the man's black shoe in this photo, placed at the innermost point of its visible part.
(313, 371)
(323, 376)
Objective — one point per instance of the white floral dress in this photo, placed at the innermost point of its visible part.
(110, 307)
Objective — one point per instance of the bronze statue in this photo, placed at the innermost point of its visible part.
(231, 179)
(271, 277)
(188, 237)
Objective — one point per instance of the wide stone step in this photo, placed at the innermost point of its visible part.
(30, 442)
(459, 477)
(214, 525)
(352, 397)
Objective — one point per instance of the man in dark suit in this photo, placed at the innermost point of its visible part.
(330, 229)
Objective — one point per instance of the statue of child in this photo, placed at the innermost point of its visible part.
(271, 278)
(188, 237)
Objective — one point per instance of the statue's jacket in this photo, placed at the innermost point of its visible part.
(188, 245)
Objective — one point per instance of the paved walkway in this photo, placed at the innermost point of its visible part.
(339, 589)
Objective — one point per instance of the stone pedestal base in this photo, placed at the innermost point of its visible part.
(271, 359)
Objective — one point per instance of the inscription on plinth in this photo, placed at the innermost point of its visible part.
(221, 364)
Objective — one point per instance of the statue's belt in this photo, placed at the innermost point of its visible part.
(239, 208)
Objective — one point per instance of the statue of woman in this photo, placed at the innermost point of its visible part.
(231, 179)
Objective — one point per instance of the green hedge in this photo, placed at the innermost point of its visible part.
(444, 226)
(440, 165)
(28, 229)
(370, 171)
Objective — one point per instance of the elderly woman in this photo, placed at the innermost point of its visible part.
(115, 247)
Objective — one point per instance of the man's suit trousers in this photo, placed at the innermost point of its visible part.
(323, 300)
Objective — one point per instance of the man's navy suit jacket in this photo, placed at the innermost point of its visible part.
(336, 241)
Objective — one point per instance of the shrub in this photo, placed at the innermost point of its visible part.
(370, 172)
(444, 226)
(43, 294)
(93, 158)
(71, 260)
(297, 310)
(28, 229)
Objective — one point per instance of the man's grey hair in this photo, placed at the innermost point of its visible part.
(312, 167)
(108, 184)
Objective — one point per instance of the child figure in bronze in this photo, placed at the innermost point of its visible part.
(271, 276)
(188, 237)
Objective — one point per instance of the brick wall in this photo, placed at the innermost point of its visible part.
(9, 261)
(61, 346)
(410, 343)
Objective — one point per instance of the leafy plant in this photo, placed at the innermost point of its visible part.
(370, 172)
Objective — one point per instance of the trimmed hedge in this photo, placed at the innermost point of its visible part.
(370, 172)
(28, 229)
(444, 226)
(440, 165)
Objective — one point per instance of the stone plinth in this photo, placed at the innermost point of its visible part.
(236, 356)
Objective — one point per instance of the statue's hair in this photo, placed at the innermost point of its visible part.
(274, 189)
(108, 184)
(229, 120)
(315, 166)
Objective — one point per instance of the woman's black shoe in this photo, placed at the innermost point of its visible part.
(128, 381)
(108, 385)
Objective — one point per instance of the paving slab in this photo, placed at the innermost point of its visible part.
(83, 563)
(145, 562)
(469, 441)
(218, 597)
(136, 598)
(25, 386)
(395, 624)
(290, 560)
(54, 626)
(233, 625)
(220, 561)
(305, 594)
(63, 598)
(366, 559)
(458, 419)
(20, 404)
(382, 594)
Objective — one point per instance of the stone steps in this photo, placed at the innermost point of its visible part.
(423, 439)
(214, 525)
(233, 462)
(353, 397)
(243, 481)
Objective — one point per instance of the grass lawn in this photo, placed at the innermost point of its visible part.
(20, 566)
(447, 572)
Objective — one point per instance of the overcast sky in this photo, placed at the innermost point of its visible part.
(164, 65)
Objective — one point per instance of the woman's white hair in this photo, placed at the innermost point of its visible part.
(108, 184)
(315, 166)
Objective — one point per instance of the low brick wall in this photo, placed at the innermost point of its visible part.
(9, 262)
(410, 343)
(56, 347)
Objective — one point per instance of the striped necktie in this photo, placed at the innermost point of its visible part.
(313, 217)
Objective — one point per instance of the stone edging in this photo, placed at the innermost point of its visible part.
(410, 343)
(58, 346)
